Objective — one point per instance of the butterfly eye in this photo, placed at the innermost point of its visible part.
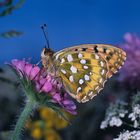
(45, 51)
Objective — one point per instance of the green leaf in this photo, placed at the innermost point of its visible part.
(10, 34)
(58, 110)
(9, 2)
(4, 135)
(4, 3)
(6, 11)
(19, 4)
(9, 9)
(8, 81)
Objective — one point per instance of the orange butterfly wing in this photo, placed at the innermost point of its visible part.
(85, 68)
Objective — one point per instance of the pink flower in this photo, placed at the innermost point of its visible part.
(65, 102)
(25, 69)
(130, 74)
(47, 87)
(44, 83)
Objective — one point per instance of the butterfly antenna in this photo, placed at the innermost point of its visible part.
(44, 29)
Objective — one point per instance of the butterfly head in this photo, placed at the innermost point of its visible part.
(47, 52)
(46, 56)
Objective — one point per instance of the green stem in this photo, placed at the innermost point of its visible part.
(130, 125)
(22, 119)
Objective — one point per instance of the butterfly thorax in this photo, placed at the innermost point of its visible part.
(47, 59)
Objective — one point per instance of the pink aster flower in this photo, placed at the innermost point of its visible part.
(130, 74)
(25, 69)
(45, 84)
(65, 102)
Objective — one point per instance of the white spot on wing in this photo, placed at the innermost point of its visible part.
(100, 90)
(93, 95)
(90, 94)
(101, 80)
(103, 71)
(81, 81)
(73, 69)
(85, 99)
(80, 55)
(119, 67)
(90, 73)
(115, 71)
(96, 56)
(78, 89)
(62, 60)
(104, 82)
(86, 77)
(85, 67)
(71, 78)
(120, 55)
(57, 56)
(101, 63)
(82, 61)
(119, 59)
(96, 87)
(63, 71)
(69, 58)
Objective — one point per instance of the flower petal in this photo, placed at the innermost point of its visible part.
(34, 71)
(57, 97)
(27, 69)
(47, 87)
(74, 112)
(19, 64)
(38, 87)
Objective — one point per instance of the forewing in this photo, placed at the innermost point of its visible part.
(114, 56)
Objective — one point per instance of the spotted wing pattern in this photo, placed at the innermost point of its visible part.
(85, 68)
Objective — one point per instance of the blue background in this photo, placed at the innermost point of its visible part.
(70, 22)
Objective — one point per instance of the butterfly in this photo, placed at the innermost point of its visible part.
(83, 69)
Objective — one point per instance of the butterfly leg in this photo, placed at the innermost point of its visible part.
(38, 62)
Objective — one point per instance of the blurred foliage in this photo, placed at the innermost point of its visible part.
(6, 8)
(7, 80)
(10, 101)
(5, 3)
(46, 125)
(11, 33)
